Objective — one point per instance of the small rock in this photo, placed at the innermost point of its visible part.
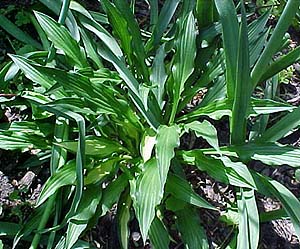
(27, 180)
(136, 236)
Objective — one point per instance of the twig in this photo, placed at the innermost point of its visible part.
(7, 95)
(267, 6)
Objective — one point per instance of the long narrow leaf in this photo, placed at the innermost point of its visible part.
(146, 195)
(243, 87)
(282, 63)
(228, 18)
(290, 203)
(165, 16)
(269, 153)
(137, 41)
(248, 236)
(124, 216)
(167, 140)
(192, 233)
(274, 43)
(61, 39)
(282, 127)
(158, 234)
(184, 59)
(12, 29)
(206, 130)
(55, 6)
(181, 189)
(65, 176)
(86, 209)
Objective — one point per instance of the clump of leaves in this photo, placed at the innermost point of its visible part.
(277, 8)
(109, 112)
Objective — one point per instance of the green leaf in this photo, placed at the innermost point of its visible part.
(166, 141)
(273, 215)
(158, 234)
(258, 34)
(101, 171)
(243, 86)
(230, 216)
(112, 192)
(30, 72)
(267, 106)
(6, 70)
(63, 177)
(240, 168)
(215, 110)
(153, 4)
(290, 203)
(268, 153)
(206, 130)
(146, 193)
(216, 92)
(90, 24)
(95, 146)
(62, 39)
(98, 96)
(216, 169)
(42, 35)
(228, 18)
(137, 42)
(120, 27)
(248, 236)
(25, 136)
(223, 107)
(9, 228)
(233, 242)
(123, 217)
(20, 35)
(281, 63)
(80, 244)
(58, 159)
(85, 211)
(184, 59)
(165, 16)
(90, 49)
(274, 43)
(30, 225)
(72, 103)
(99, 17)
(282, 127)
(80, 155)
(258, 26)
(71, 23)
(192, 233)
(206, 13)
(133, 86)
(10, 70)
(243, 235)
(159, 76)
(147, 144)
(183, 191)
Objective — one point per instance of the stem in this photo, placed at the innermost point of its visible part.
(56, 219)
(8, 95)
(43, 222)
(58, 158)
(273, 44)
(173, 114)
(61, 20)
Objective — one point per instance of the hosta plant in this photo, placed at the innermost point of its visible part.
(111, 101)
